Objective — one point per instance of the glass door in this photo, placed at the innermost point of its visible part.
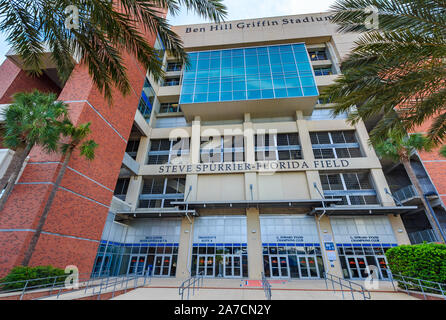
(357, 266)
(233, 266)
(162, 265)
(382, 267)
(206, 265)
(279, 266)
(136, 265)
(308, 267)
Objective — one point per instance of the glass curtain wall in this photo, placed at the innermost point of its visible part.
(268, 72)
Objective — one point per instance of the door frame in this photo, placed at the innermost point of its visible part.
(306, 257)
(355, 257)
(381, 276)
(163, 256)
(278, 256)
(136, 265)
(232, 256)
(206, 256)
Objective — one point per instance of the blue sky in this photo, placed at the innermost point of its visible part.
(237, 9)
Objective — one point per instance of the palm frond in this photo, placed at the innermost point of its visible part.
(107, 31)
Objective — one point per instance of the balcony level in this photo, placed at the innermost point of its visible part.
(264, 81)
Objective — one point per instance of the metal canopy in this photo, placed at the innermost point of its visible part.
(363, 210)
(257, 203)
(153, 213)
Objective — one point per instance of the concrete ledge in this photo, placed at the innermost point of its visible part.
(420, 295)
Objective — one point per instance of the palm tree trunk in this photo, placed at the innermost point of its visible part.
(29, 252)
(416, 183)
(13, 171)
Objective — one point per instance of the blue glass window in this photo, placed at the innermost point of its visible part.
(281, 71)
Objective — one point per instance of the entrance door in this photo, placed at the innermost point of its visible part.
(136, 265)
(382, 267)
(206, 265)
(308, 267)
(162, 265)
(233, 266)
(279, 266)
(357, 266)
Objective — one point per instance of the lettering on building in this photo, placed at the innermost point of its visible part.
(260, 166)
(246, 25)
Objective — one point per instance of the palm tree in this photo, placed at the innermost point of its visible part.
(97, 33)
(77, 136)
(30, 120)
(397, 71)
(443, 151)
(401, 149)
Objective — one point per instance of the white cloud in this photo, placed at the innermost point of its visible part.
(237, 10)
(248, 9)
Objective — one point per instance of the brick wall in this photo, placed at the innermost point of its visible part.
(75, 222)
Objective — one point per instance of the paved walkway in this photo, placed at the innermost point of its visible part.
(232, 289)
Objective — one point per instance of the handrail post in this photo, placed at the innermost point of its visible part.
(441, 290)
(421, 287)
(24, 288)
(351, 290)
(54, 282)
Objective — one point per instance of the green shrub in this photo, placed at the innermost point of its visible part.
(20, 273)
(425, 261)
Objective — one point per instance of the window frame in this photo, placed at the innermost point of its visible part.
(171, 152)
(334, 146)
(222, 150)
(275, 149)
(347, 193)
(160, 196)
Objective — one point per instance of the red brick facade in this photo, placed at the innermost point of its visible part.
(13, 79)
(75, 222)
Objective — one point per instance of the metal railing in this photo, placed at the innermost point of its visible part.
(427, 235)
(25, 286)
(193, 282)
(405, 193)
(420, 285)
(55, 286)
(347, 284)
(409, 191)
(266, 287)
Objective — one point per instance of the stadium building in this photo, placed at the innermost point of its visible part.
(231, 166)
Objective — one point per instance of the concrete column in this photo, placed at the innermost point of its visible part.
(195, 140)
(251, 180)
(192, 185)
(312, 177)
(304, 136)
(363, 140)
(255, 258)
(185, 249)
(398, 229)
(248, 132)
(380, 183)
(141, 156)
(326, 235)
(134, 190)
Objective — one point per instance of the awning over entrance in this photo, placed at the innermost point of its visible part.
(296, 203)
(363, 210)
(156, 213)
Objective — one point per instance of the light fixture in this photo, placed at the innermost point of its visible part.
(253, 230)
